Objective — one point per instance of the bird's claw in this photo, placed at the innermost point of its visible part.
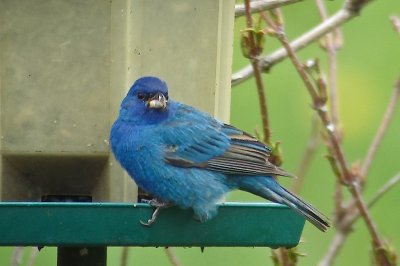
(158, 205)
(153, 217)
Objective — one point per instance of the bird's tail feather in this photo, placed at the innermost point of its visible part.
(269, 189)
(303, 208)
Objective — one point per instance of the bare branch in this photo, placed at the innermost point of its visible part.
(346, 223)
(17, 255)
(334, 248)
(377, 242)
(33, 256)
(262, 5)
(331, 46)
(344, 228)
(343, 15)
(382, 129)
(124, 256)
(308, 154)
(257, 75)
(383, 190)
(172, 257)
(348, 177)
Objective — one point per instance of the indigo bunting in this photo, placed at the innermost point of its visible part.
(184, 157)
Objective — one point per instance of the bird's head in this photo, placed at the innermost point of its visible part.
(146, 101)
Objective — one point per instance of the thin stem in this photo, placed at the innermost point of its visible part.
(383, 190)
(172, 257)
(308, 154)
(344, 228)
(299, 67)
(285, 257)
(342, 16)
(331, 48)
(387, 117)
(282, 257)
(33, 256)
(17, 255)
(124, 256)
(257, 75)
(347, 221)
(334, 248)
(321, 110)
(347, 176)
(262, 5)
(362, 207)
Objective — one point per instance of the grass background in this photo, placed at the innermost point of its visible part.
(368, 65)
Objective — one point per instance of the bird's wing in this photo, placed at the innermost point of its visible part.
(196, 139)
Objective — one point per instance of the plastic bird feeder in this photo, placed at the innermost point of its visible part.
(118, 224)
(65, 66)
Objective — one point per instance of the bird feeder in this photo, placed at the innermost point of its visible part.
(64, 68)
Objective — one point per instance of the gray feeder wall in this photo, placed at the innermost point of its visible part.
(66, 65)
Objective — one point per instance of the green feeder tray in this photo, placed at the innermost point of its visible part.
(118, 224)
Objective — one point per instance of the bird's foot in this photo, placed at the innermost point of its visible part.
(158, 205)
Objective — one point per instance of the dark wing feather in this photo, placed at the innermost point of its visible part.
(211, 145)
(245, 156)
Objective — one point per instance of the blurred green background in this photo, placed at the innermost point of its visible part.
(368, 65)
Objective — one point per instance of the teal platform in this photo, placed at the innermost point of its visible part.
(117, 224)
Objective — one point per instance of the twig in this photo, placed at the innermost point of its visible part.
(352, 214)
(16, 257)
(33, 256)
(344, 228)
(377, 242)
(348, 177)
(257, 75)
(285, 257)
(308, 154)
(382, 129)
(331, 47)
(282, 257)
(342, 16)
(334, 248)
(383, 190)
(262, 5)
(124, 256)
(172, 257)
(348, 221)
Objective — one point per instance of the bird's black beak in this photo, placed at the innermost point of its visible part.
(158, 101)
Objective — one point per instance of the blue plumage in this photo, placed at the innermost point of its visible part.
(185, 157)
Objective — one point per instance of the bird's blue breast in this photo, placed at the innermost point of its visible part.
(141, 153)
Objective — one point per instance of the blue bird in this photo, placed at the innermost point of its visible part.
(184, 157)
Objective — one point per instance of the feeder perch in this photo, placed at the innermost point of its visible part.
(118, 224)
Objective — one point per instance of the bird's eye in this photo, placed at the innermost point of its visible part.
(141, 96)
(166, 96)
